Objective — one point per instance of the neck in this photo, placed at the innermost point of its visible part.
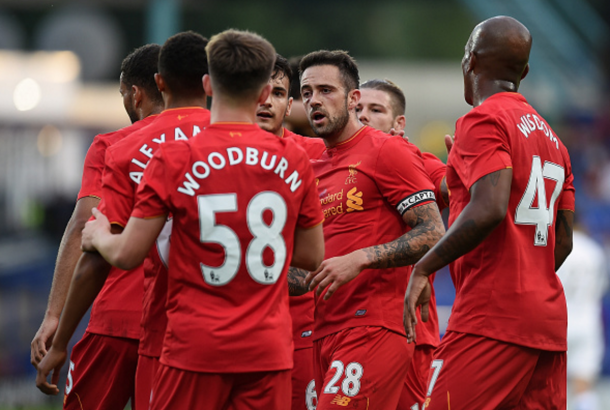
(353, 125)
(172, 101)
(148, 110)
(485, 89)
(223, 111)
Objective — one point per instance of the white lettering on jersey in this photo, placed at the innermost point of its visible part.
(531, 122)
(218, 161)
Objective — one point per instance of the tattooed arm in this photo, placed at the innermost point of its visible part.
(427, 228)
(296, 281)
(563, 236)
(486, 210)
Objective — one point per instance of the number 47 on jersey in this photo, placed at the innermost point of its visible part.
(541, 216)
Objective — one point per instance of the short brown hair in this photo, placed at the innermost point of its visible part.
(397, 97)
(240, 62)
(341, 59)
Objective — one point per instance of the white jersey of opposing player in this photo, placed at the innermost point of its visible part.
(584, 277)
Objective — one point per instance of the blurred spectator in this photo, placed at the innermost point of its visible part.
(584, 278)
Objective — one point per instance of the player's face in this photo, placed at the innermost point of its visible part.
(127, 94)
(270, 115)
(375, 109)
(325, 100)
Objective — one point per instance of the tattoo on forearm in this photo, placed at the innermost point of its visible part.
(427, 229)
(296, 282)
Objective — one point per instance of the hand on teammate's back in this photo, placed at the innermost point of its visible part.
(52, 362)
(400, 133)
(336, 272)
(449, 141)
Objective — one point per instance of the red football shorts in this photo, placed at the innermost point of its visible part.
(145, 374)
(102, 373)
(361, 368)
(475, 372)
(180, 389)
(303, 385)
(416, 382)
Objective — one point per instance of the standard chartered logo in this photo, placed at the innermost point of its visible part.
(354, 200)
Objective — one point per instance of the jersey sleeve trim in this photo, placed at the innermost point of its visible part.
(117, 223)
(312, 226)
(89, 196)
(418, 198)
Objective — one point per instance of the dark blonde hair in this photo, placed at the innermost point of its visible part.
(396, 95)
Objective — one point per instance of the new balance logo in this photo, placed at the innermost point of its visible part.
(341, 400)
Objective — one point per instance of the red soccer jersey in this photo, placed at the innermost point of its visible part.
(436, 171)
(125, 164)
(106, 317)
(94, 160)
(314, 147)
(506, 288)
(302, 307)
(365, 185)
(236, 194)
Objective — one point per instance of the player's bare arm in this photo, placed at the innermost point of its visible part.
(307, 255)
(563, 236)
(126, 250)
(89, 278)
(67, 258)
(427, 228)
(486, 210)
(297, 285)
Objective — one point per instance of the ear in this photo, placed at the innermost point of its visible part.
(353, 98)
(138, 96)
(400, 122)
(472, 62)
(207, 85)
(160, 82)
(288, 107)
(264, 94)
(527, 70)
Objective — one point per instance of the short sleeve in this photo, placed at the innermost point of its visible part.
(481, 145)
(567, 200)
(310, 213)
(401, 177)
(91, 183)
(118, 191)
(152, 196)
(436, 170)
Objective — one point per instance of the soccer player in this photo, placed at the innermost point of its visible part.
(382, 106)
(511, 216)
(584, 278)
(270, 117)
(182, 62)
(107, 354)
(244, 203)
(380, 217)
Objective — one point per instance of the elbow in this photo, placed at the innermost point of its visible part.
(493, 216)
(125, 261)
(310, 261)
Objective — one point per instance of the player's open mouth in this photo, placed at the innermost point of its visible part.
(264, 114)
(317, 117)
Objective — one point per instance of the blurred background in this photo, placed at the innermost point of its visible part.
(59, 71)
